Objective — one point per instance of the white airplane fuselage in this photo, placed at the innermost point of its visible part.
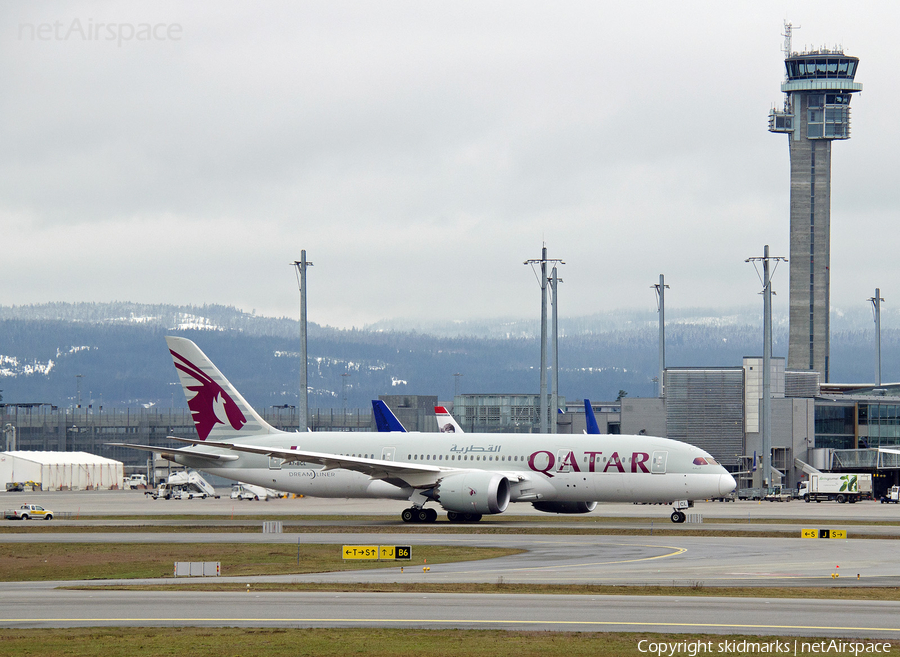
(548, 467)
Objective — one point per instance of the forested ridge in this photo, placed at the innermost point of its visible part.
(119, 352)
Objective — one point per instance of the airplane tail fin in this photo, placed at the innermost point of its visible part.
(590, 418)
(446, 422)
(385, 420)
(218, 410)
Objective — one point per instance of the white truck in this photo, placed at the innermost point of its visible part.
(242, 491)
(892, 496)
(28, 511)
(839, 486)
(136, 481)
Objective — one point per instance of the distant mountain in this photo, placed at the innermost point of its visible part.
(115, 355)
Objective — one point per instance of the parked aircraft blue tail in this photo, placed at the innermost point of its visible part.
(590, 418)
(385, 420)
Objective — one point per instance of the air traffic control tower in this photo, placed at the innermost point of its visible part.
(818, 87)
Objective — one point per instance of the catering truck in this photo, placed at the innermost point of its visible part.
(839, 486)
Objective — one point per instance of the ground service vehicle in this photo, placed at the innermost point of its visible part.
(136, 481)
(778, 494)
(242, 491)
(892, 496)
(28, 511)
(839, 486)
(184, 485)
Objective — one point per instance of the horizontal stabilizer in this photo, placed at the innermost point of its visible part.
(167, 450)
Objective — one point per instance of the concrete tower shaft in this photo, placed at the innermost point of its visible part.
(818, 88)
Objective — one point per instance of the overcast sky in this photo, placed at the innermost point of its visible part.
(421, 151)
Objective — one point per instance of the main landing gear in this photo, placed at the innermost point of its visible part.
(414, 514)
(418, 515)
(453, 516)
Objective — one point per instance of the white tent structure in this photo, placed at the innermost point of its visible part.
(61, 470)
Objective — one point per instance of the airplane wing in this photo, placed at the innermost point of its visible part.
(186, 452)
(416, 475)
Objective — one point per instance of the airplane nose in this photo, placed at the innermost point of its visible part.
(726, 484)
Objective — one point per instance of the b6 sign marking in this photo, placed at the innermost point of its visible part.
(379, 552)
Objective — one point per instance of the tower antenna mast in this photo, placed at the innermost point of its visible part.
(788, 28)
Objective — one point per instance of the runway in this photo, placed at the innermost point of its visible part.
(781, 618)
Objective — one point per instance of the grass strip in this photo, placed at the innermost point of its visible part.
(373, 642)
(92, 561)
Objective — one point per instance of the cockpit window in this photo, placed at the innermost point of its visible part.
(711, 461)
(700, 461)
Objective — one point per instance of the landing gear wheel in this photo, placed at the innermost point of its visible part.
(453, 516)
(432, 515)
(422, 515)
(678, 516)
(408, 515)
(471, 517)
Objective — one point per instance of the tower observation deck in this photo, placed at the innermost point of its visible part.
(818, 87)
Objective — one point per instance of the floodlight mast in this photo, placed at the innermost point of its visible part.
(545, 401)
(767, 361)
(302, 405)
(876, 309)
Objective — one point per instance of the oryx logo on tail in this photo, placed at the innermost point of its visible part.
(210, 405)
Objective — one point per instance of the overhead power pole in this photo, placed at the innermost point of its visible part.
(876, 308)
(766, 419)
(554, 386)
(545, 401)
(661, 307)
(302, 406)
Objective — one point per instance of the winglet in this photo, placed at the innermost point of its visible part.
(385, 420)
(589, 418)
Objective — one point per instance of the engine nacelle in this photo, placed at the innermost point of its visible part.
(473, 492)
(565, 507)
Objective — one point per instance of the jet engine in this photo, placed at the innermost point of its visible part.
(565, 507)
(473, 492)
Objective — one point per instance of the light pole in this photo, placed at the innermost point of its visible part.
(767, 362)
(302, 407)
(545, 402)
(661, 307)
(876, 308)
